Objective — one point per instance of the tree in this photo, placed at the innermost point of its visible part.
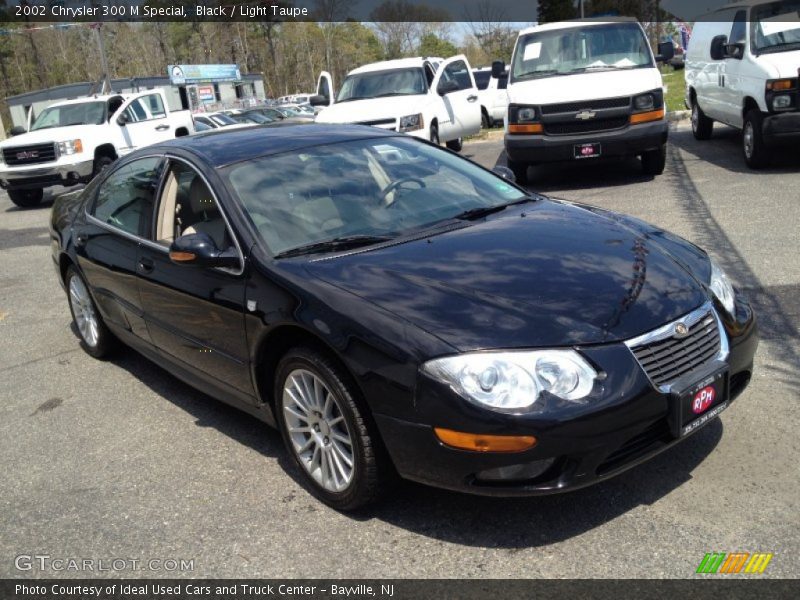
(432, 45)
(556, 10)
(401, 25)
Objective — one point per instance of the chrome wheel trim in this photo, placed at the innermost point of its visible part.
(695, 117)
(747, 138)
(83, 311)
(318, 431)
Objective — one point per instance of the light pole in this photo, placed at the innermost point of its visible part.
(103, 62)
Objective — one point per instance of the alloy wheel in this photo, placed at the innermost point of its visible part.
(748, 139)
(83, 310)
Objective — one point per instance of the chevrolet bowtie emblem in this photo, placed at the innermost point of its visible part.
(586, 114)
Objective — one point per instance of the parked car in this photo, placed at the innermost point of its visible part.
(408, 95)
(742, 70)
(216, 120)
(389, 305)
(492, 95)
(584, 89)
(72, 141)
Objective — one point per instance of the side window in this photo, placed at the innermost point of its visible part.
(187, 206)
(145, 108)
(126, 199)
(482, 79)
(458, 72)
(324, 88)
(156, 106)
(739, 29)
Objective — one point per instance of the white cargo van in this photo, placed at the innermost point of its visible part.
(493, 96)
(433, 99)
(742, 70)
(579, 90)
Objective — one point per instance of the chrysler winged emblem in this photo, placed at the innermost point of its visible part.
(681, 330)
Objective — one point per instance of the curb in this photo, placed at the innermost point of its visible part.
(679, 115)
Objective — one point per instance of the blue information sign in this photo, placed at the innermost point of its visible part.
(183, 74)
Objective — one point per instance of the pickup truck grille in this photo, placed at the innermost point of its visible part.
(29, 155)
(566, 107)
(573, 127)
(667, 358)
(382, 123)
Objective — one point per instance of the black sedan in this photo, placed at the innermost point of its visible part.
(394, 308)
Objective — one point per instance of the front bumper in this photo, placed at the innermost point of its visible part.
(42, 176)
(782, 128)
(629, 141)
(626, 423)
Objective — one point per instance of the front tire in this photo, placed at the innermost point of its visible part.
(756, 153)
(96, 339)
(26, 198)
(653, 162)
(327, 432)
(456, 145)
(486, 122)
(702, 126)
(101, 163)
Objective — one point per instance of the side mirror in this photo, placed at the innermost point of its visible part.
(199, 250)
(734, 51)
(718, 47)
(318, 100)
(17, 130)
(505, 173)
(447, 87)
(123, 119)
(666, 52)
(498, 66)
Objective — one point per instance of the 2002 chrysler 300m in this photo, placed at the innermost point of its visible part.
(390, 306)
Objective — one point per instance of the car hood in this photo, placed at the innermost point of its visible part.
(55, 134)
(584, 86)
(544, 274)
(781, 64)
(358, 111)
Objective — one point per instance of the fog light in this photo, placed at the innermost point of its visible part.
(481, 442)
(522, 472)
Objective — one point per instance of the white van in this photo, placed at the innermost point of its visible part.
(493, 95)
(409, 95)
(579, 90)
(742, 70)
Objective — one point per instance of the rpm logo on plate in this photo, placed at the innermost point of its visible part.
(703, 399)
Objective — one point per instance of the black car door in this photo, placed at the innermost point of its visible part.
(195, 314)
(108, 237)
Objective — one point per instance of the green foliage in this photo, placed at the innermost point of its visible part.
(431, 45)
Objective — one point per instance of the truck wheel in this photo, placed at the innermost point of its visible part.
(756, 153)
(486, 122)
(519, 169)
(26, 198)
(434, 138)
(101, 163)
(653, 161)
(456, 145)
(702, 126)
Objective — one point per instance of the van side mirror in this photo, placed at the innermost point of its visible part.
(505, 173)
(498, 66)
(734, 51)
(199, 250)
(447, 87)
(318, 100)
(17, 130)
(718, 47)
(123, 119)
(666, 52)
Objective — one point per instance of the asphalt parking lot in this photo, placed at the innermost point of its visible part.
(119, 459)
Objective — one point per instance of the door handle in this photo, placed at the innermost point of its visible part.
(472, 98)
(162, 127)
(146, 265)
(81, 239)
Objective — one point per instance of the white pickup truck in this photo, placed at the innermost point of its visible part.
(433, 99)
(71, 141)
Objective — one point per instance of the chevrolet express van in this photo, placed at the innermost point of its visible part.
(742, 70)
(584, 89)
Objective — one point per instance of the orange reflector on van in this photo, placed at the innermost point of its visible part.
(481, 442)
(181, 256)
(652, 115)
(531, 128)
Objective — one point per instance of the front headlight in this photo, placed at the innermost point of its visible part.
(411, 123)
(644, 102)
(781, 102)
(513, 381)
(721, 287)
(70, 147)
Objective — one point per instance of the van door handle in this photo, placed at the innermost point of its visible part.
(146, 265)
(162, 127)
(472, 98)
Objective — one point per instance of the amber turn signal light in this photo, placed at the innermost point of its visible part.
(651, 115)
(531, 128)
(780, 84)
(481, 442)
(181, 256)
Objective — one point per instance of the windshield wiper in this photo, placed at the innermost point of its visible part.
(386, 94)
(780, 47)
(482, 211)
(337, 243)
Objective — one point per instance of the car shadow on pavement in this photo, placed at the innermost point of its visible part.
(516, 523)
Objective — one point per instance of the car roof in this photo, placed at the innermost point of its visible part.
(590, 22)
(399, 63)
(222, 147)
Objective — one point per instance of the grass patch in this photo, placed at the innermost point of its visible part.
(676, 87)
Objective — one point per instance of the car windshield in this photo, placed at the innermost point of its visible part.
(580, 49)
(374, 84)
(85, 113)
(776, 26)
(222, 120)
(387, 186)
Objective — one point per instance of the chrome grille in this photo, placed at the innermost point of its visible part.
(623, 102)
(666, 355)
(568, 128)
(30, 155)
(378, 122)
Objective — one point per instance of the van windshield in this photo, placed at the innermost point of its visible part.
(580, 49)
(375, 84)
(776, 26)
